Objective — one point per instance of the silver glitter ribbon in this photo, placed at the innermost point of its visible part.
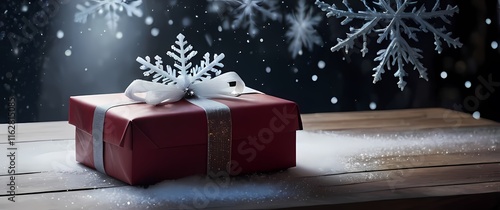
(98, 133)
(219, 135)
(218, 126)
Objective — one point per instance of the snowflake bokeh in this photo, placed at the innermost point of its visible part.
(246, 14)
(302, 32)
(109, 8)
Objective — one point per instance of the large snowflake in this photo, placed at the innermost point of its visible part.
(110, 9)
(183, 74)
(301, 32)
(397, 22)
(245, 13)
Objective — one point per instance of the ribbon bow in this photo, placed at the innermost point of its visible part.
(155, 93)
(185, 81)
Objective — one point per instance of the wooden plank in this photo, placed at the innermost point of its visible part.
(474, 201)
(349, 151)
(419, 192)
(398, 162)
(178, 198)
(43, 182)
(38, 156)
(39, 131)
(408, 178)
(392, 120)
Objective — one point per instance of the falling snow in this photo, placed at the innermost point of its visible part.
(60, 34)
(119, 35)
(149, 20)
(476, 115)
(186, 22)
(67, 52)
(390, 24)
(468, 84)
(444, 75)
(321, 64)
(334, 100)
(488, 21)
(155, 32)
(109, 8)
(24, 8)
(494, 45)
(301, 32)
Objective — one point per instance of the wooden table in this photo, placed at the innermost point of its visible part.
(419, 158)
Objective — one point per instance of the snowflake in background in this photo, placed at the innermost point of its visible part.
(394, 23)
(301, 31)
(245, 12)
(111, 8)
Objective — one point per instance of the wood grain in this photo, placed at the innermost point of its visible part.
(392, 120)
(39, 131)
(108, 199)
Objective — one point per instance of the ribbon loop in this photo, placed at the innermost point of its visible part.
(219, 87)
(155, 93)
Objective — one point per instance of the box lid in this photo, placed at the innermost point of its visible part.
(183, 123)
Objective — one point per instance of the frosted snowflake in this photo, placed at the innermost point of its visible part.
(245, 12)
(110, 9)
(390, 22)
(301, 31)
(184, 74)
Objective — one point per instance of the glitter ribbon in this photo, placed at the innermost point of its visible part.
(98, 133)
(219, 134)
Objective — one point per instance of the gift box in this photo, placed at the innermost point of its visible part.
(144, 144)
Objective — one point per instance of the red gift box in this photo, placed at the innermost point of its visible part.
(144, 144)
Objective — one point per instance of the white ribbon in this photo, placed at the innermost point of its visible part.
(155, 93)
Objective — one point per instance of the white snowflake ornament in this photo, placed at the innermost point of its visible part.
(397, 21)
(110, 9)
(171, 84)
(301, 32)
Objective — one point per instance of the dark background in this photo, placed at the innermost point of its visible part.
(42, 77)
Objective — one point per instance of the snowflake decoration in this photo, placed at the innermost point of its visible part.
(301, 31)
(184, 74)
(245, 12)
(111, 8)
(394, 23)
